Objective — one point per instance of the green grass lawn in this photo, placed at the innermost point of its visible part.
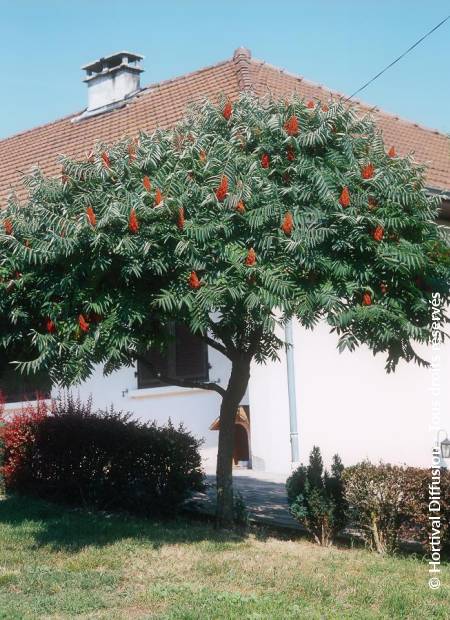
(56, 563)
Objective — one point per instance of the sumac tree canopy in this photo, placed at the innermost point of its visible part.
(242, 215)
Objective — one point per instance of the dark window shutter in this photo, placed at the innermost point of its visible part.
(160, 361)
(186, 357)
(191, 355)
(15, 387)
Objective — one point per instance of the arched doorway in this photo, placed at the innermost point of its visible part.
(241, 452)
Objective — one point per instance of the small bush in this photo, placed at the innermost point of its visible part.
(375, 494)
(102, 459)
(390, 503)
(415, 522)
(316, 498)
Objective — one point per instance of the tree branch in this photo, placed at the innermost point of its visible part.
(216, 345)
(185, 383)
(228, 342)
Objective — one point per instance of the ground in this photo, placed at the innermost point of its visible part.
(264, 495)
(57, 564)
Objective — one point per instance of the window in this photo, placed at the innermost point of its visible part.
(186, 357)
(16, 387)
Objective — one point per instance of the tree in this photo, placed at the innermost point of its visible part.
(241, 217)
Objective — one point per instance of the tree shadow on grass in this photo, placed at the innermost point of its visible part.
(63, 528)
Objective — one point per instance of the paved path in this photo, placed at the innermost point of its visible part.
(264, 495)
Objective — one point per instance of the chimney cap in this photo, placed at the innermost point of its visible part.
(242, 51)
(112, 62)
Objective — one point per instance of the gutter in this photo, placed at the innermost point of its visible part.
(293, 425)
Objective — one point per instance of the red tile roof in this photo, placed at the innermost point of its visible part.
(162, 104)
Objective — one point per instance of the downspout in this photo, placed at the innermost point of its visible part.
(293, 427)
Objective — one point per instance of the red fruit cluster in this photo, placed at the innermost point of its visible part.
(106, 160)
(146, 183)
(194, 282)
(240, 207)
(367, 299)
(310, 104)
(222, 190)
(251, 257)
(158, 197)
(91, 216)
(228, 110)
(133, 224)
(344, 198)
(8, 227)
(202, 155)
(291, 126)
(378, 233)
(325, 108)
(288, 224)
(290, 153)
(181, 219)
(368, 171)
(50, 326)
(265, 160)
(83, 324)
(392, 152)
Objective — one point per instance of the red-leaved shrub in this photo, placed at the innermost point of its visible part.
(17, 435)
(2, 408)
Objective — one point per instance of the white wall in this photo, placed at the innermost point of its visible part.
(346, 403)
(269, 416)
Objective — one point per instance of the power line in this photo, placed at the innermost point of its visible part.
(399, 58)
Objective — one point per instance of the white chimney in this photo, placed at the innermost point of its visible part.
(112, 79)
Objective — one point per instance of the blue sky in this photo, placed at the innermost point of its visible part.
(339, 44)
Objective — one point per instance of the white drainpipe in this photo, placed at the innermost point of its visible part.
(293, 426)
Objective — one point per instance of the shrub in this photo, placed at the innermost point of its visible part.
(375, 494)
(2, 450)
(316, 498)
(295, 484)
(18, 435)
(415, 524)
(102, 459)
(390, 503)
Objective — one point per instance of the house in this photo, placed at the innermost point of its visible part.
(344, 403)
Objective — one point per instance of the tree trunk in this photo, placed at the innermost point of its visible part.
(379, 547)
(237, 385)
